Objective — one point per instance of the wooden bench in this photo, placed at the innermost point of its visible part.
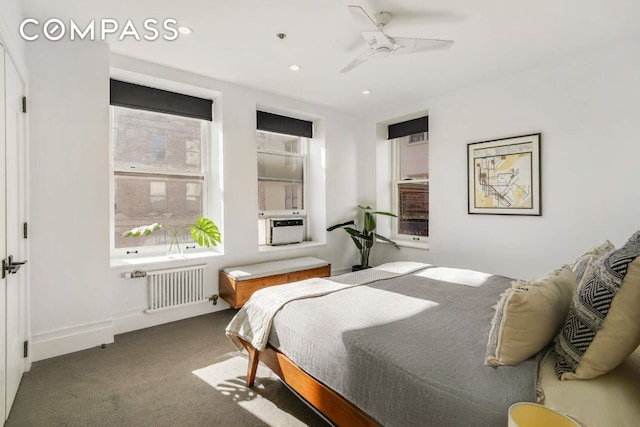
(238, 283)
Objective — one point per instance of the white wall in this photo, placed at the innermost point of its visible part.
(587, 110)
(78, 300)
(10, 18)
(69, 240)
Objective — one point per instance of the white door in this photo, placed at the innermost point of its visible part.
(3, 246)
(15, 201)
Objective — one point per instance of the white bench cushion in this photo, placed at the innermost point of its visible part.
(271, 268)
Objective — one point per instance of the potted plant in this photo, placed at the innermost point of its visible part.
(366, 236)
(205, 232)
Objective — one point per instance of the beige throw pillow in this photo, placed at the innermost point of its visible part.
(528, 317)
(603, 325)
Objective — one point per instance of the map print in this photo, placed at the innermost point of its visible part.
(502, 177)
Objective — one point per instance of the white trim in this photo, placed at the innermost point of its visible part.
(293, 246)
(135, 319)
(150, 259)
(338, 271)
(11, 44)
(68, 340)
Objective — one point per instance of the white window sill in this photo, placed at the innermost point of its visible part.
(293, 246)
(411, 244)
(160, 259)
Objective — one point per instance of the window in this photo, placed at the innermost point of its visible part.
(158, 196)
(410, 185)
(159, 172)
(282, 151)
(281, 172)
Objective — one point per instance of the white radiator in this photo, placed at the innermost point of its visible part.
(176, 287)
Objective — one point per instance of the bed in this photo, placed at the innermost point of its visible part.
(403, 344)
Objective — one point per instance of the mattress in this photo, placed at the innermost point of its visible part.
(410, 350)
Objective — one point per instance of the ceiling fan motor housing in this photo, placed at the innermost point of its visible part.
(381, 51)
(382, 18)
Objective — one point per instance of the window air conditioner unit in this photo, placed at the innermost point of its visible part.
(283, 231)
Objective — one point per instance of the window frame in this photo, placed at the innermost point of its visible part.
(304, 155)
(396, 181)
(265, 215)
(206, 174)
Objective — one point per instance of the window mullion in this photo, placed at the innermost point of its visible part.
(156, 173)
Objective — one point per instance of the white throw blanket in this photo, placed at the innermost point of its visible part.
(253, 322)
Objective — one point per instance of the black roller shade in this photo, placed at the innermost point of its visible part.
(410, 127)
(130, 95)
(281, 124)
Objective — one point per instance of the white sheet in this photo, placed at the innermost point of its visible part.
(456, 275)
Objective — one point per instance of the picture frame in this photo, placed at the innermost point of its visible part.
(503, 176)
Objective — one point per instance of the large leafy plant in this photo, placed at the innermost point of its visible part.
(364, 237)
(205, 232)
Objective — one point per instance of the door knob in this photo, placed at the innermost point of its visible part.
(15, 263)
(9, 266)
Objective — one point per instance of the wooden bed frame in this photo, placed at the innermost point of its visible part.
(336, 408)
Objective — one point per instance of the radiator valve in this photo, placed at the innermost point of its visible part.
(214, 298)
(135, 274)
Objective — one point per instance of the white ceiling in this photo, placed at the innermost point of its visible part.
(235, 40)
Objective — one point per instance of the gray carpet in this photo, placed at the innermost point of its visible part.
(185, 373)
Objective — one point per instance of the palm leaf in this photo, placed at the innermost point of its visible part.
(387, 240)
(333, 227)
(357, 242)
(385, 213)
(205, 232)
(369, 222)
(143, 229)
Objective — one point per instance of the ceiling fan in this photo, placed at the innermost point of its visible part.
(382, 45)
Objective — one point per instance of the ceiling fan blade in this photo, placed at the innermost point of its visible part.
(410, 45)
(363, 57)
(362, 19)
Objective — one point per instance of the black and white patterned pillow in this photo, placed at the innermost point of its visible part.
(603, 325)
(585, 262)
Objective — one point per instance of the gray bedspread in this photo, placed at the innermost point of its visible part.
(409, 351)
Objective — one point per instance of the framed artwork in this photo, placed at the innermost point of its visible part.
(504, 176)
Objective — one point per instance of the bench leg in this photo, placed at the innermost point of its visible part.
(253, 366)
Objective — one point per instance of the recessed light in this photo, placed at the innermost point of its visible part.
(295, 67)
(366, 92)
(185, 30)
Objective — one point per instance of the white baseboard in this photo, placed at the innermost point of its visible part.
(135, 319)
(68, 340)
(337, 271)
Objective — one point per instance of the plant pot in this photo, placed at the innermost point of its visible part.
(358, 267)
(174, 248)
